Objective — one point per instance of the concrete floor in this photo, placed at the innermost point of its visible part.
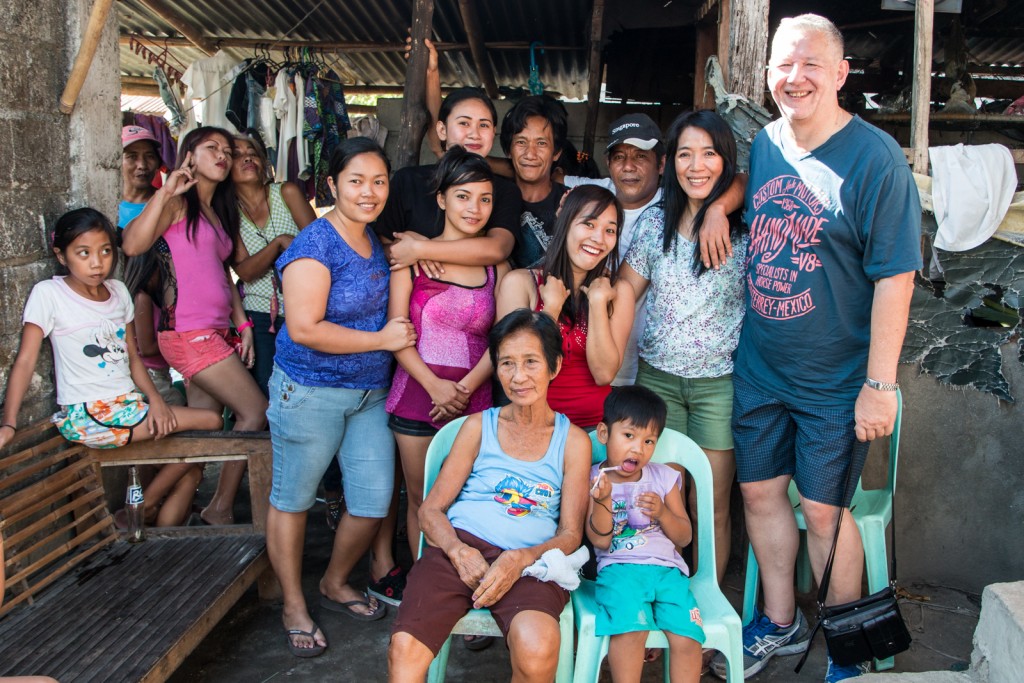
(249, 645)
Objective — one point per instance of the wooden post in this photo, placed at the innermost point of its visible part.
(471, 23)
(181, 25)
(414, 109)
(747, 48)
(594, 84)
(724, 21)
(86, 51)
(707, 45)
(924, 17)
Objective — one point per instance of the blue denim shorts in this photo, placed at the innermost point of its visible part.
(310, 426)
(814, 445)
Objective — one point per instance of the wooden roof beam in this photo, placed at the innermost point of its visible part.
(181, 25)
(327, 46)
(471, 23)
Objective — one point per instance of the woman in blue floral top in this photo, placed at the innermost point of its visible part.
(694, 314)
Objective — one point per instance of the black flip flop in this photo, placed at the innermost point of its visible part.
(305, 652)
(345, 608)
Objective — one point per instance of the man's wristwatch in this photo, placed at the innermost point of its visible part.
(881, 386)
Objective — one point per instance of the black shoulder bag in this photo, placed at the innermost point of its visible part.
(869, 628)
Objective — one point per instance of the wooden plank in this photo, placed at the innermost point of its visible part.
(335, 46)
(193, 33)
(117, 616)
(414, 110)
(28, 434)
(260, 478)
(924, 17)
(40, 585)
(747, 49)
(707, 45)
(594, 76)
(471, 24)
(66, 479)
(63, 548)
(34, 527)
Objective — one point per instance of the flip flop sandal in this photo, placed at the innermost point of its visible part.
(346, 608)
(305, 652)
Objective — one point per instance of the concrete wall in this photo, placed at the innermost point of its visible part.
(49, 162)
(960, 489)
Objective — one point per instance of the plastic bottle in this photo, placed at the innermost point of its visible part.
(133, 506)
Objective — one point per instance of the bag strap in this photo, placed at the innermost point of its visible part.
(827, 574)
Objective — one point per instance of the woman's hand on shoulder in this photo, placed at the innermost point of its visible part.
(600, 293)
(554, 295)
(397, 334)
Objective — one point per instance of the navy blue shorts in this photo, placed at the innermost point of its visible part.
(814, 445)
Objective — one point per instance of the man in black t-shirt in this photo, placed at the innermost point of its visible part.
(533, 133)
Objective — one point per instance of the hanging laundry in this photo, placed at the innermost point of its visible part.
(209, 80)
(168, 146)
(284, 108)
(170, 98)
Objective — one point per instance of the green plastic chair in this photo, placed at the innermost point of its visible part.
(479, 622)
(722, 629)
(871, 509)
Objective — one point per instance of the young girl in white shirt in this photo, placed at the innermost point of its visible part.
(99, 375)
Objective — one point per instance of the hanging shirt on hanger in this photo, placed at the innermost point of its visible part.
(284, 108)
(209, 80)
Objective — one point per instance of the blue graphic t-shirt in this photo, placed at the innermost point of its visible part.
(358, 299)
(508, 502)
(824, 226)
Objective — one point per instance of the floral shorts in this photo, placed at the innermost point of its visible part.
(102, 424)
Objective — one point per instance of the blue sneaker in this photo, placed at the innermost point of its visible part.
(836, 673)
(762, 640)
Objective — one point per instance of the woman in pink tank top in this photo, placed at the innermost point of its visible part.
(190, 225)
(448, 372)
(577, 286)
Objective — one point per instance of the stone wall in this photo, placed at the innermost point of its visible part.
(49, 162)
(960, 499)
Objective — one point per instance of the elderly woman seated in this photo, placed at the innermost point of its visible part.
(513, 486)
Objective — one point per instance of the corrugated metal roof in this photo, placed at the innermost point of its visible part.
(560, 23)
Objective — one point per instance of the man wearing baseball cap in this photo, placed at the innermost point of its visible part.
(140, 160)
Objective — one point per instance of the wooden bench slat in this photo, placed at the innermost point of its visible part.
(135, 612)
(83, 505)
(27, 596)
(14, 477)
(77, 473)
(52, 444)
(62, 548)
(178, 607)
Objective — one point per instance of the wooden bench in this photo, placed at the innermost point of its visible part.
(83, 605)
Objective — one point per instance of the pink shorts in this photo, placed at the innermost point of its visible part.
(193, 351)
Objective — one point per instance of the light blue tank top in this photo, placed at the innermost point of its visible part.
(508, 502)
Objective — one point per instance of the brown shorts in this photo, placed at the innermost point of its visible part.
(435, 598)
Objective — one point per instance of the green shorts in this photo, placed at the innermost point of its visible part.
(699, 407)
(646, 597)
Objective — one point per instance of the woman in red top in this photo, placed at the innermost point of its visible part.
(577, 286)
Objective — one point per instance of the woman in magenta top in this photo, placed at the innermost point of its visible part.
(447, 373)
(577, 286)
(191, 224)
